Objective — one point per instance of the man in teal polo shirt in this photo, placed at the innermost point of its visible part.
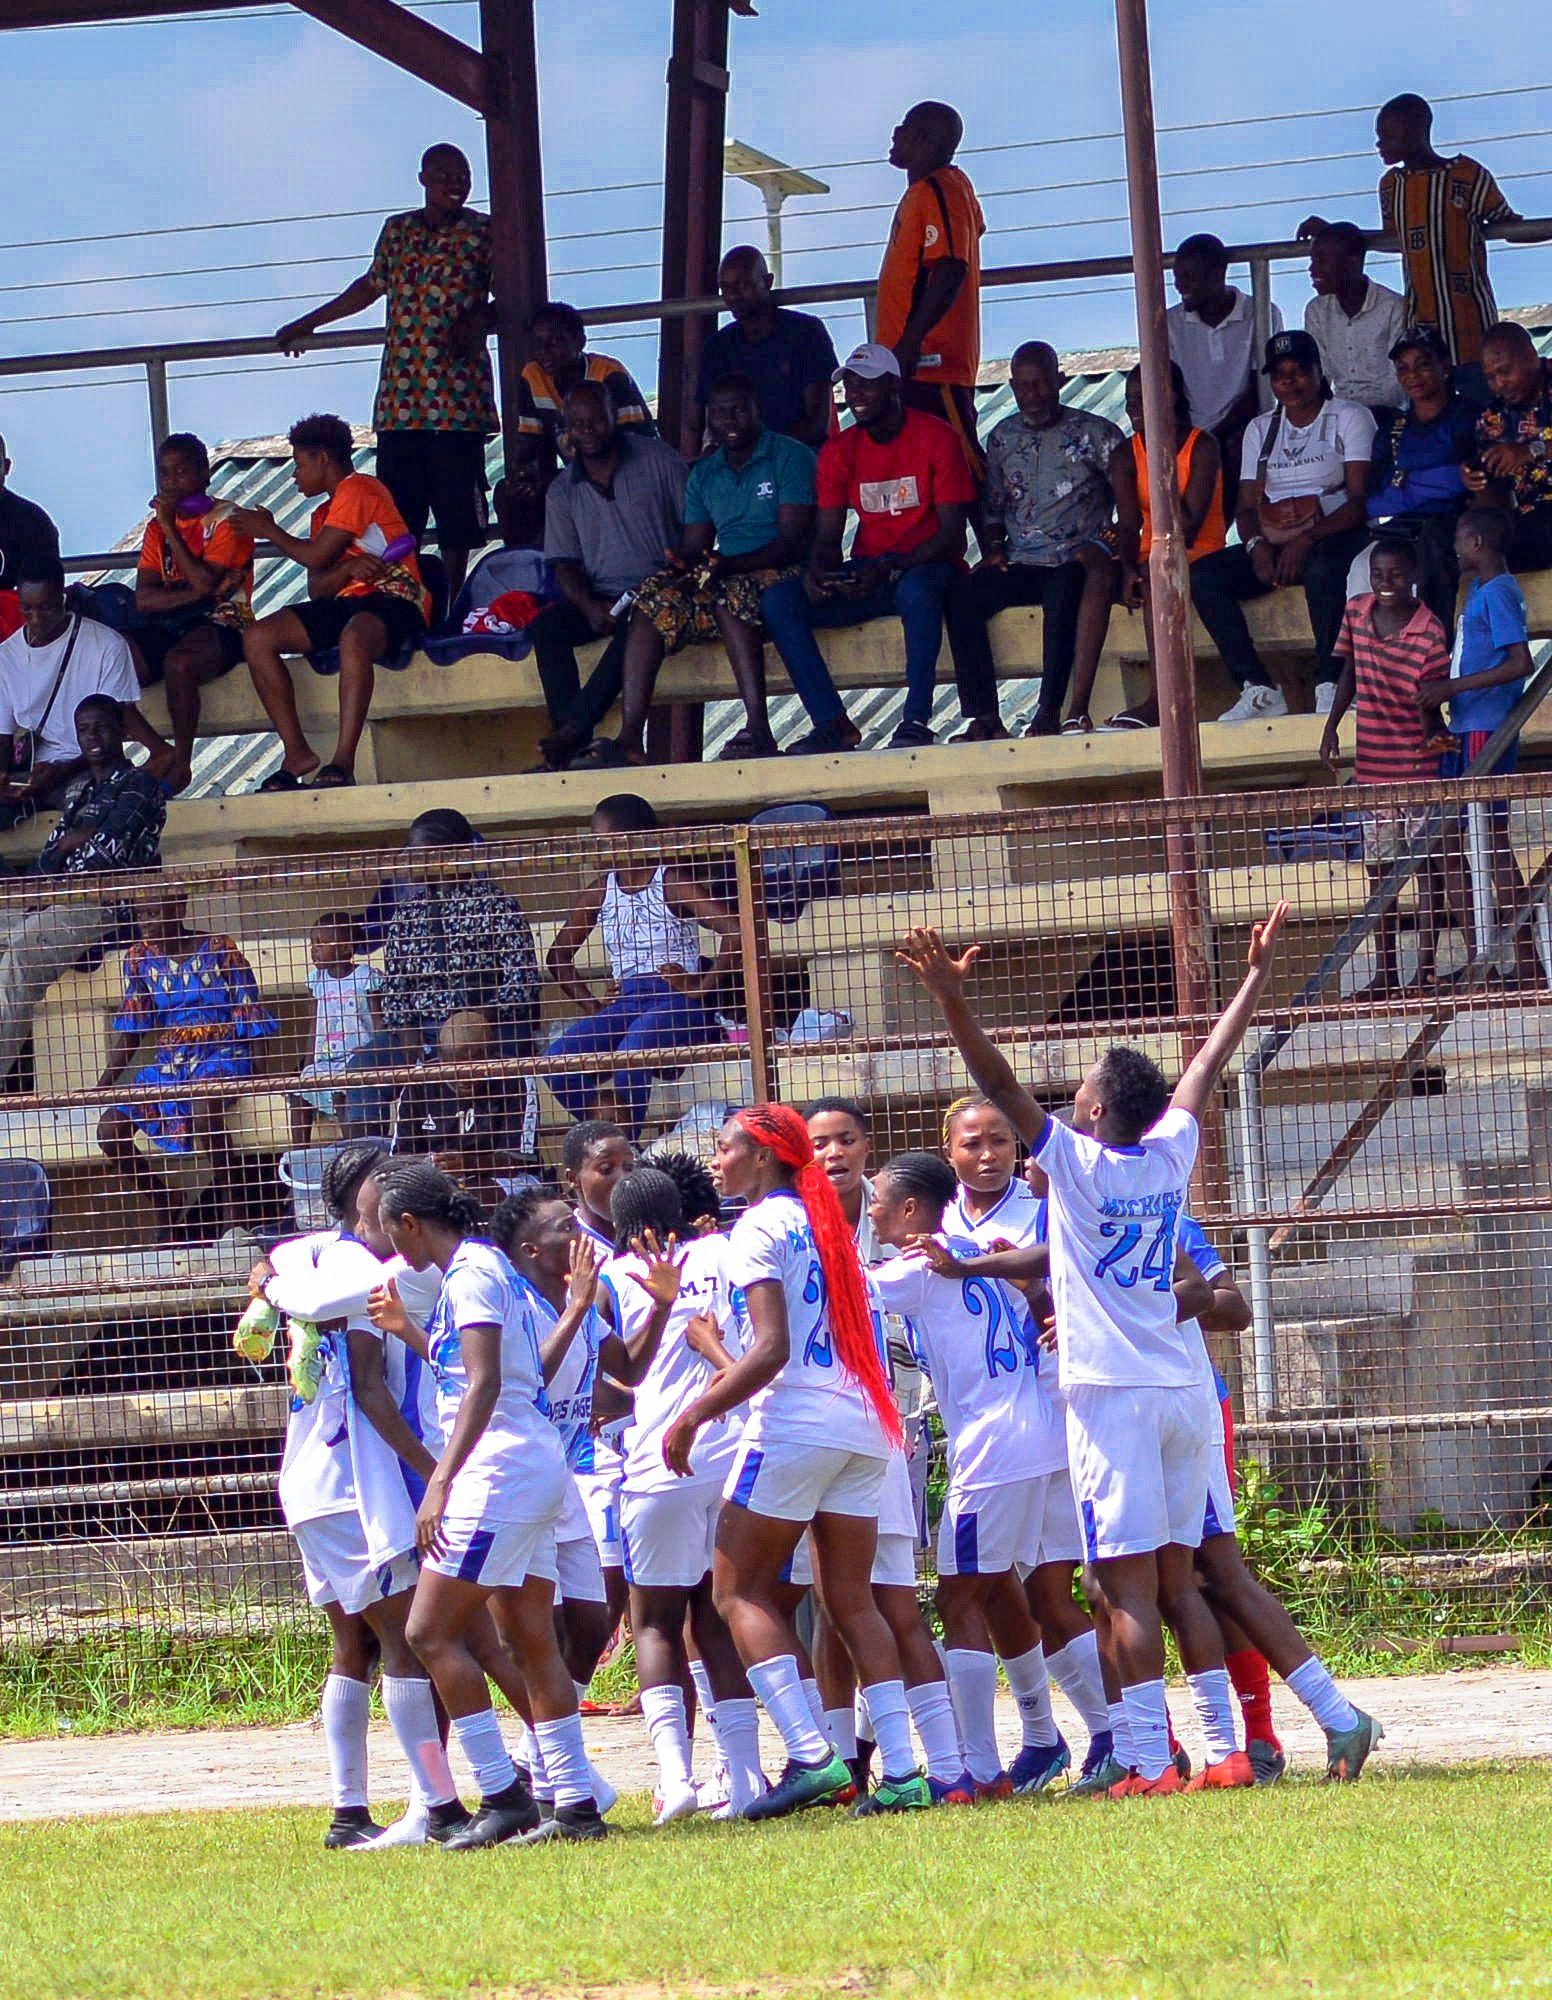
(748, 520)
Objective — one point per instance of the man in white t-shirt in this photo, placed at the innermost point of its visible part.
(1212, 339)
(1301, 520)
(1354, 321)
(47, 670)
(1140, 1423)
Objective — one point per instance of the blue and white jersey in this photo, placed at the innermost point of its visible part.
(388, 1492)
(812, 1400)
(317, 1477)
(977, 1339)
(1113, 1221)
(1012, 1218)
(569, 1390)
(509, 1475)
(1192, 1239)
(676, 1374)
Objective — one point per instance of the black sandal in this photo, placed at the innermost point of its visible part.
(603, 754)
(280, 781)
(748, 743)
(331, 778)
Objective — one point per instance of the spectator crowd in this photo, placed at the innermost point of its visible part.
(823, 495)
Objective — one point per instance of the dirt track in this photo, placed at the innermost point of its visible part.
(1429, 1719)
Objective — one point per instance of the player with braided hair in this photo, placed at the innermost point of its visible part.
(816, 1444)
(486, 1525)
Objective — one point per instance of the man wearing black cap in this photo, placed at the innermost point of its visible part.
(1417, 489)
(1303, 483)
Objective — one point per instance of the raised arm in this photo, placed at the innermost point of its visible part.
(369, 1386)
(770, 1345)
(925, 954)
(628, 1357)
(1196, 1086)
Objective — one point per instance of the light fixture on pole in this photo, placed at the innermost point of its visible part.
(775, 181)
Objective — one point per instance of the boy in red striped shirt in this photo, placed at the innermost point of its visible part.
(1390, 645)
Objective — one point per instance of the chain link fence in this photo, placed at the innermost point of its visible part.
(1377, 1172)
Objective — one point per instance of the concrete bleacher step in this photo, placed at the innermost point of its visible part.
(160, 1417)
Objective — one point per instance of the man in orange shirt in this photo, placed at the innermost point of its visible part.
(364, 595)
(929, 289)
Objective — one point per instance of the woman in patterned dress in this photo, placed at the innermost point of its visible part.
(197, 993)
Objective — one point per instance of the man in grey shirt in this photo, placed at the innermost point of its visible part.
(608, 518)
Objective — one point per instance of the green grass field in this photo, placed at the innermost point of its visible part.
(1412, 1883)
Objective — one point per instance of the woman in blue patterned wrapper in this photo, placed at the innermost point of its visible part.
(197, 993)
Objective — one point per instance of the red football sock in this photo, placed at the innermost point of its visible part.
(1253, 1684)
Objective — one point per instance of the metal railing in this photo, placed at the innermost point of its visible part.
(156, 358)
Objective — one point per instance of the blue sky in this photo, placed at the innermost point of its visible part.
(145, 127)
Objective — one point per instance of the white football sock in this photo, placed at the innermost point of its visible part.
(663, 1709)
(565, 1760)
(1121, 1735)
(1147, 1717)
(780, 1687)
(533, 1757)
(1321, 1696)
(1031, 1685)
(972, 1680)
(1214, 1699)
(346, 1705)
(705, 1700)
(1075, 1670)
(479, 1738)
(933, 1714)
(411, 1715)
(861, 1718)
(891, 1727)
(841, 1728)
(738, 1733)
(816, 1707)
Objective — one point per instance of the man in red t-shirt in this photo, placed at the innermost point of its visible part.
(364, 595)
(904, 476)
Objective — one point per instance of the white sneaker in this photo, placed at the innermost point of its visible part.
(1256, 704)
(678, 1802)
(716, 1790)
(412, 1830)
(1325, 694)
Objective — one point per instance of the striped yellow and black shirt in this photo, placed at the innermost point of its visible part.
(1438, 214)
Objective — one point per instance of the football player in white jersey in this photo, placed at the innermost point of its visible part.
(995, 1206)
(814, 1453)
(838, 1128)
(1139, 1422)
(1008, 1502)
(486, 1524)
(360, 1575)
(667, 1524)
(595, 1155)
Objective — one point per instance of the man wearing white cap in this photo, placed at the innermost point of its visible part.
(906, 478)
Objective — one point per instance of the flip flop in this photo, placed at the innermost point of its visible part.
(280, 781)
(745, 743)
(1078, 725)
(1125, 719)
(603, 754)
(331, 778)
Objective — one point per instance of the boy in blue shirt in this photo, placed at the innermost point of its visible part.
(1489, 670)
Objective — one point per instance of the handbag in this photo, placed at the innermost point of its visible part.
(24, 742)
(1282, 521)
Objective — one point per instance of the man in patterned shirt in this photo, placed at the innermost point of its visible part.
(1048, 507)
(1514, 442)
(112, 820)
(1439, 210)
(435, 400)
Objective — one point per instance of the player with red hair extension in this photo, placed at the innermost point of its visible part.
(815, 1447)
